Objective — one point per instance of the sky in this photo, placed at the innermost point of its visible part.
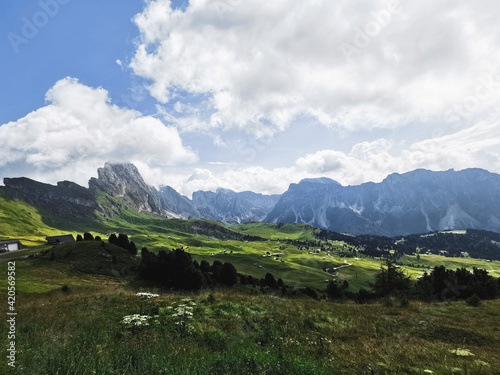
(248, 94)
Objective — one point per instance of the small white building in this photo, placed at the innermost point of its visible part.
(10, 245)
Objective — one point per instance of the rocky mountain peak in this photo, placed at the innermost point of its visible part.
(118, 179)
(123, 180)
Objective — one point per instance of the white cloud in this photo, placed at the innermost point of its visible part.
(263, 63)
(476, 147)
(78, 130)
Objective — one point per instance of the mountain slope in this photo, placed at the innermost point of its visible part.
(227, 205)
(415, 202)
(175, 202)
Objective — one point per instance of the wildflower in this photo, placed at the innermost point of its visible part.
(135, 320)
(462, 352)
(147, 295)
(480, 363)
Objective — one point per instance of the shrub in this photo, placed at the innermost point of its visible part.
(336, 290)
(270, 281)
(473, 300)
(404, 301)
(309, 292)
(211, 298)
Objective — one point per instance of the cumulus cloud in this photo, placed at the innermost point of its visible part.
(353, 65)
(78, 130)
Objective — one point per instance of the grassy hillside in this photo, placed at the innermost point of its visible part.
(92, 257)
(302, 232)
(21, 221)
(79, 330)
(203, 238)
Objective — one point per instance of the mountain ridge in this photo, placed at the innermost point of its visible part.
(414, 202)
(418, 201)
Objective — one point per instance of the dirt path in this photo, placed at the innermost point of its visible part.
(14, 255)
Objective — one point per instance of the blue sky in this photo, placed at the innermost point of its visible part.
(247, 95)
(84, 40)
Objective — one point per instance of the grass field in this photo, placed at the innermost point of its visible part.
(270, 231)
(238, 331)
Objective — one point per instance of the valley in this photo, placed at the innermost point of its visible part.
(73, 298)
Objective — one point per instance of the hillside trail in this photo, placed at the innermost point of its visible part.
(13, 255)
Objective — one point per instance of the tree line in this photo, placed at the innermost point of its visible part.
(441, 284)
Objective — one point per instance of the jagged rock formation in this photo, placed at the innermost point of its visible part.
(67, 199)
(415, 202)
(180, 204)
(125, 181)
(227, 205)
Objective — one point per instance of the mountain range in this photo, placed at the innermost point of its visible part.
(415, 202)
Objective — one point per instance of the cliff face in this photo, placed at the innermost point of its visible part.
(230, 206)
(125, 181)
(178, 203)
(64, 199)
(415, 202)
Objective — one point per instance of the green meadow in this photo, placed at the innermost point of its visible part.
(71, 301)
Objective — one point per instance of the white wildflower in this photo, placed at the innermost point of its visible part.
(462, 352)
(147, 295)
(136, 320)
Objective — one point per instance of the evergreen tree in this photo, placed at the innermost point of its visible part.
(390, 280)
(192, 279)
(204, 266)
(229, 275)
(113, 239)
(216, 270)
(132, 248)
(122, 241)
(336, 290)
